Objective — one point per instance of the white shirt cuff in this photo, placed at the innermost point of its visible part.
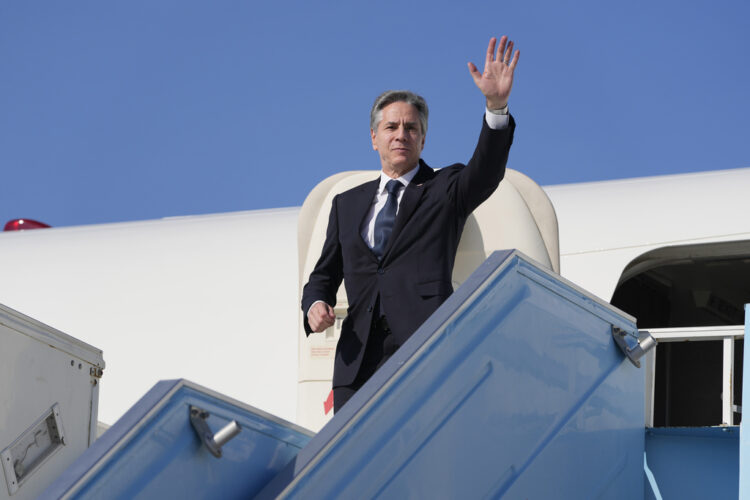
(498, 119)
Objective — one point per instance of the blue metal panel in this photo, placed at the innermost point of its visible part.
(153, 451)
(745, 425)
(693, 462)
(513, 388)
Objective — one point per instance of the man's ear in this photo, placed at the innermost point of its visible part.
(372, 136)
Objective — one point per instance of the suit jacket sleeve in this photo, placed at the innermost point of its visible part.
(326, 278)
(475, 182)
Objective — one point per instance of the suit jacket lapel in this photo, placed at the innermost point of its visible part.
(409, 203)
(361, 207)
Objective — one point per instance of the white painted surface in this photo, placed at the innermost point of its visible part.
(605, 225)
(41, 367)
(210, 298)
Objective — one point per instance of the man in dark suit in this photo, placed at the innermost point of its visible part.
(393, 240)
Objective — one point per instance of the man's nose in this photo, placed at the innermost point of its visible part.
(402, 134)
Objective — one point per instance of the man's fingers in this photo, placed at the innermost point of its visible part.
(490, 52)
(328, 319)
(321, 316)
(501, 49)
(474, 72)
(508, 52)
(514, 61)
(320, 321)
(330, 314)
(321, 326)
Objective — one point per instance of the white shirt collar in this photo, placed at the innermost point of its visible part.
(404, 179)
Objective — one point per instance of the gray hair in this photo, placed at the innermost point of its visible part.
(391, 96)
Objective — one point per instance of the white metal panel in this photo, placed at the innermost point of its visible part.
(727, 382)
(41, 369)
(604, 225)
(599, 270)
(211, 298)
(651, 210)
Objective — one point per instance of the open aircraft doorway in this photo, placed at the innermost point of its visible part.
(685, 289)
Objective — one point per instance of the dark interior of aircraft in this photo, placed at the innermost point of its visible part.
(689, 286)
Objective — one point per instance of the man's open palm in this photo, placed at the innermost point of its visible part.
(496, 80)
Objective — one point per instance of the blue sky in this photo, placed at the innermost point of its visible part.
(115, 111)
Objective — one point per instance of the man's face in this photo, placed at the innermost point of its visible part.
(398, 139)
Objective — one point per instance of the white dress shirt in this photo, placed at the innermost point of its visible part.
(378, 202)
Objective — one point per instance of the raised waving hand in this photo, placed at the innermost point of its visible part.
(496, 81)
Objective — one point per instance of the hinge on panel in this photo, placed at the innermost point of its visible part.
(213, 442)
(632, 345)
(95, 371)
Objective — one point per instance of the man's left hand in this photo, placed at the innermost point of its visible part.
(497, 79)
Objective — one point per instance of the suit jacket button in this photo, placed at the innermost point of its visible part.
(381, 270)
(369, 309)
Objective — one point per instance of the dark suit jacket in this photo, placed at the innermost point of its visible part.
(414, 276)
